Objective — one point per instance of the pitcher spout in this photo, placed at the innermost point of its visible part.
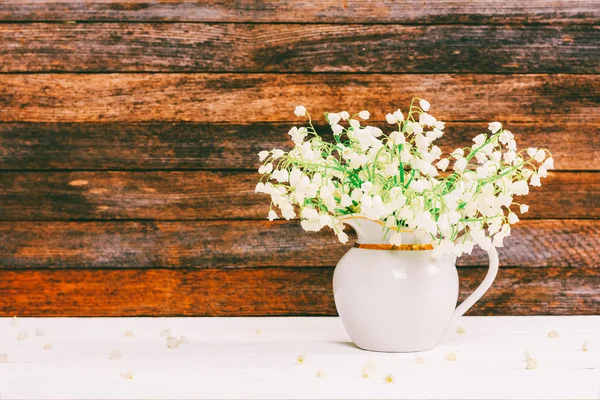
(369, 231)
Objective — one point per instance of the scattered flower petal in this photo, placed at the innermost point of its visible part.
(369, 369)
(420, 360)
(3, 358)
(389, 378)
(553, 334)
(300, 359)
(128, 333)
(172, 342)
(183, 340)
(259, 331)
(587, 345)
(48, 346)
(450, 356)
(115, 355)
(460, 329)
(320, 373)
(39, 331)
(532, 364)
(165, 333)
(23, 334)
(529, 355)
(126, 375)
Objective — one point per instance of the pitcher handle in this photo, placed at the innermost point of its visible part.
(483, 286)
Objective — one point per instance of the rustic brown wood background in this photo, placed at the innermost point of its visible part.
(129, 131)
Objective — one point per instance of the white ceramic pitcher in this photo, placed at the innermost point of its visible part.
(399, 300)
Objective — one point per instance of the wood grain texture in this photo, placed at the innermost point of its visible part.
(236, 98)
(164, 146)
(203, 195)
(328, 11)
(125, 47)
(267, 291)
(213, 244)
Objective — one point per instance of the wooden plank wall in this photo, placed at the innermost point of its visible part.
(129, 131)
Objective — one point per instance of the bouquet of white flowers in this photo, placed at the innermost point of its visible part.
(403, 179)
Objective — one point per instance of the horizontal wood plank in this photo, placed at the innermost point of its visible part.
(267, 291)
(236, 98)
(126, 47)
(110, 146)
(211, 244)
(164, 146)
(206, 195)
(328, 11)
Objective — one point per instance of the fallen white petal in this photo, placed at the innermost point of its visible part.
(172, 342)
(183, 340)
(529, 355)
(165, 333)
(126, 375)
(115, 354)
(450, 356)
(48, 346)
(23, 335)
(553, 334)
(39, 331)
(128, 333)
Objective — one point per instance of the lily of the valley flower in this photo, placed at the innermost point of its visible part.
(403, 179)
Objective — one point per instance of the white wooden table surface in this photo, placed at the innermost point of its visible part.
(231, 358)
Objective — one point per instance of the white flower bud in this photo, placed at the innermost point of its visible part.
(263, 155)
(333, 118)
(396, 239)
(494, 126)
(390, 119)
(424, 104)
(443, 164)
(364, 114)
(300, 111)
